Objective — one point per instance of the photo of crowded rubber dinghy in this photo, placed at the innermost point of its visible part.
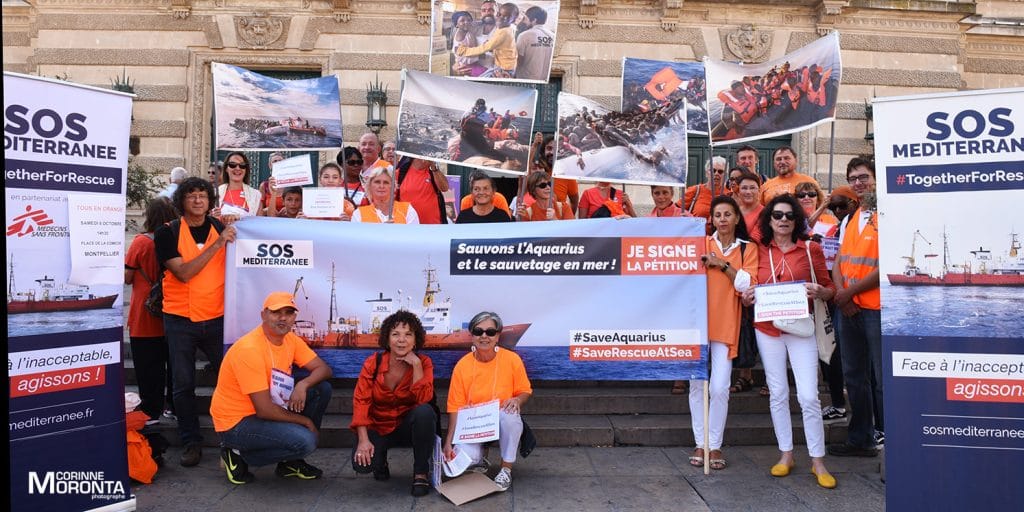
(641, 147)
(467, 123)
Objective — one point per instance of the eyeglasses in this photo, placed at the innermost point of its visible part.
(196, 197)
(354, 162)
(862, 178)
(778, 215)
(801, 195)
(543, 184)
(718, 171)
(237, 165)
(480, 332)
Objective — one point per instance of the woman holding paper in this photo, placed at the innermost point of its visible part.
(730, 261)
(748, 195)
(237, 198)
(383, 207)
(486, 374)
(544, 205)
(330, 177)
(391, 405)
(788, 256)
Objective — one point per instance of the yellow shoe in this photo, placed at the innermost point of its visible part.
(825, 480)
(781, 470)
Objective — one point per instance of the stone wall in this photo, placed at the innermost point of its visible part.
(166, 46)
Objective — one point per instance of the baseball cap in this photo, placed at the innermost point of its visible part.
(845, 191)
(278, 300)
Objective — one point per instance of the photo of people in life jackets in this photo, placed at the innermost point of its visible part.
(790, 94)
(651, 84)
(467, 123)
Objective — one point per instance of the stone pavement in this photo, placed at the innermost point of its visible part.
(558, 479)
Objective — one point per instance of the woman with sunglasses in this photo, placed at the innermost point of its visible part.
(391, 405)
(235, 190)
(786, 256)
(730, 262)
(489, 373)
(544, 205)
(820, 223)
(383, 208)
(351, 162)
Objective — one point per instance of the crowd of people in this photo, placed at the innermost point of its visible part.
(782, 97)
(785, 229)
(501, 42)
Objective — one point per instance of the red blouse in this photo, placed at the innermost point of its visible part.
(381, 409)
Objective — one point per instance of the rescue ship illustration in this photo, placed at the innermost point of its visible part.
(980, 270)
(349, 332)
(52, 298)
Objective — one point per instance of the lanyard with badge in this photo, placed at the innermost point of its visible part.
(281, 383)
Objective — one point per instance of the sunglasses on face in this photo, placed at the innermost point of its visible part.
(801, 195)
(236, 165)
(480, 332)
(543, 184)
(838, 206)
(778, 215)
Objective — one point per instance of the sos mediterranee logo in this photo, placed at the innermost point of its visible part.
(274, 253)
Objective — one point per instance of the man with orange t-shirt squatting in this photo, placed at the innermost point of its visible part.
(786, 179)
(262, 414)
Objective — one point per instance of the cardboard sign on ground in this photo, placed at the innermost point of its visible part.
(468, 487)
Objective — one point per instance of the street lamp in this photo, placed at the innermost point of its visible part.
(376, 106)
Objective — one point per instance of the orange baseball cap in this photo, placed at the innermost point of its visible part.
(845, 191)
(278, 300)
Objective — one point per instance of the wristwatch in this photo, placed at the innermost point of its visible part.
(725, 267)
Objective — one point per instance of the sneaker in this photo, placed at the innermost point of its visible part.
(192, 454)
(831, 413)
(169, 414)
(879, 438)
(238, 470)
(153, 421)
(480, 467)
(298, 468)
(848, 450)
(503, 479)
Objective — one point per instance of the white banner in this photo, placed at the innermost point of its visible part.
(96, 225)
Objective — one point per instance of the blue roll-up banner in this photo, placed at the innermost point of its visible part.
(598, 299)
(66, 155)
(950, 186)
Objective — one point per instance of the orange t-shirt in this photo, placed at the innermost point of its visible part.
(790, 266)
(562, 211)
(783, 185)
(475, 383)
(724, 307)
(141, 256)
(565, 188)
(499, 202)
(752, 220)
(246, 370)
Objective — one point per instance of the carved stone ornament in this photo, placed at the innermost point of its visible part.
(588, 13)
(749, 44)
(180, 9)
(670, 14)
(342, 11)
(828, 12)
(423, 11)
(261, 32)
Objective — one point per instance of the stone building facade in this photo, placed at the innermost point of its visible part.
(165, 47)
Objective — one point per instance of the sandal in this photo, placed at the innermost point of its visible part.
(696, 460)
(716, 462)
(742, 384)
(765, 392)
(420, 486)
(680, 387)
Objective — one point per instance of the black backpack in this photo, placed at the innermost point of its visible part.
(154, 302)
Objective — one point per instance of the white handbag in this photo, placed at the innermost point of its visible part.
(824, 331)
(802, 327)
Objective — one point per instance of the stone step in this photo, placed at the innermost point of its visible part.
(582, 430)
(575, 401)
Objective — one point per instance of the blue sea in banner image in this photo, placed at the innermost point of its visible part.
(970, 311)
(27, 324)
(254, 133)
(543, 363)
(426, 129)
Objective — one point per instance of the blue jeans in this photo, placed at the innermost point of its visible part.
(862, 370)
(417, 429)
(263, 442)
(183, 338)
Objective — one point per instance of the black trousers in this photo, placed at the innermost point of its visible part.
(417, 429)
(152, 372)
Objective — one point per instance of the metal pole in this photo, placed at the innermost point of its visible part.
(831, 154)
(707, 435)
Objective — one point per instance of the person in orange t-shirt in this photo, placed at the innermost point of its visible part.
(489, 373)
(262, 414)
(146, 331)
(543, 207)
(391, 403)
(786, 179)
